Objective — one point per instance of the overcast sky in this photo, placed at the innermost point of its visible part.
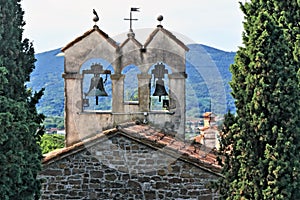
(52, 24)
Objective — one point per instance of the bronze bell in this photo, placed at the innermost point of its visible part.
(160, 89)
(96, 88)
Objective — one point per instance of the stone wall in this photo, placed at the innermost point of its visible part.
(121, 168)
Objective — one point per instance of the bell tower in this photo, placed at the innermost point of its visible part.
(161, 79)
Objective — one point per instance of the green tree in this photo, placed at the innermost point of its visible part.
(51, 142)
(20, 154)
(261, 143)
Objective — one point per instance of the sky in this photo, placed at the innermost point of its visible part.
(52, 24)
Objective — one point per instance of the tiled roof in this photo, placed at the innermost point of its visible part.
(187, 151)
(207, 114)
(63, 152)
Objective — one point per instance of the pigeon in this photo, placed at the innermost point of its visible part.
(96, 18)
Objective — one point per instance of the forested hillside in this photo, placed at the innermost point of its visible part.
(202, 62)
(48, 75)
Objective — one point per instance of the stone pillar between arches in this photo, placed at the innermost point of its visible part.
(144, 92)
(117, 93)
(177, 101)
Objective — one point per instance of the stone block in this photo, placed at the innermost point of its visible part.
(72, 177)
(134, 184)
(61, 192)
(125, 177)
(78, 171)
(143, 179)
(161, 172)
(183, 191)
(150, 194)
(67, 172)
(156, 178)
(52, 172)
(149, 161)
(74, 182)
(175, 180)
(110, 177)
(117, 162)
(52, 187)
(94, 186)
(95, 180)
(186, 175)
(122, 168)
(117, 185)
(151, 173)
(161, 196)
(162, 185)
(60, 187)
(54, 196)
(206, 197)
(175, 169)
(96, 174)
(194, 193)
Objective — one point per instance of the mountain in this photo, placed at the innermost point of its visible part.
(207, 82)
(48, 74)
(208, 78)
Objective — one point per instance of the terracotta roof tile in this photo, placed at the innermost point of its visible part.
(187, 150)
(207, 114)
(58, 153)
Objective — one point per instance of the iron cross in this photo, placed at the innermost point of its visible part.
(130, 18)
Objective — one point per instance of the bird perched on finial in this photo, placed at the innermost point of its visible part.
(96, 18)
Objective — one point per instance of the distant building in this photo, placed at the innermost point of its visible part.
(209, 134)
(61, 132)
(52, 130)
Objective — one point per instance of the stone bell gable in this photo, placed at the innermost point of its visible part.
(133, 148)
(161, 48)
(161, 40)
(130, 162)
(93, 44)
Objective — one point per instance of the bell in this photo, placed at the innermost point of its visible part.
(160, 89)
(96, 88)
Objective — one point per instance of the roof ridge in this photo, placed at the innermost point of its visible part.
(95, 28)
(189, 151)
(170, 34)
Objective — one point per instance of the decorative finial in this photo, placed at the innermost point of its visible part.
(131, 19)
(96, 18)
(160, 18)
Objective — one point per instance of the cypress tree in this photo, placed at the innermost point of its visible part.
(260, 146)
(20, 153)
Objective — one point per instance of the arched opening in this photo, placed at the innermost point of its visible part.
(96, 85)
(159, 86)
(131, 83)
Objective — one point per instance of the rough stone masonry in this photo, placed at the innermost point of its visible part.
(118, 167)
